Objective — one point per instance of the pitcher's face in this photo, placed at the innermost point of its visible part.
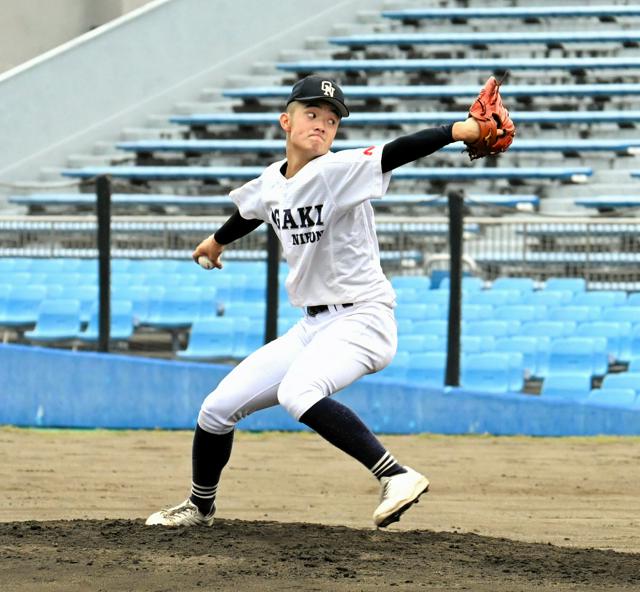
(311, 127)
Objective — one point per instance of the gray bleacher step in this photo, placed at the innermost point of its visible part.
(159, 120)
(102, 147)
(190, 107)
(315, 43)
(371, 17)
(210, 94)
(86, 160)
(50, 177)
(132, 134)
(263, 68)
(243, 80)
(293, 54)
(326, 53)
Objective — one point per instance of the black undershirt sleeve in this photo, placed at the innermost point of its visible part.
(408, 148)
(234, 228)
(400, 151)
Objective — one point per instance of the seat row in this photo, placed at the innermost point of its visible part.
(500, 372)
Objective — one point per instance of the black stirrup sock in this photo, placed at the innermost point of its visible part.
(341, 427)
(210, 454)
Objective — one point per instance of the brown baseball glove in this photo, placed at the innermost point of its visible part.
(492, 116)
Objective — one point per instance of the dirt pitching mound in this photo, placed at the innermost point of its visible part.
(107, 555)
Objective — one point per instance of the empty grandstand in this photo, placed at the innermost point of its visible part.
(551, 231)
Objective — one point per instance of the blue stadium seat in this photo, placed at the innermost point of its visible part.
(420, 343)
(420, 312)
(121, 323)
(427, 369)
(491, 327)
(58, 321)
(617, 335)
(475, 344)
(24, 263)
(418, 282)
(436, 327)
(175, 309)
(22, 306)
(140, 298)
(255, 291)
(534, 350)
(23, 278)
(128, 279)
(7, 265)
(439, 297)
(87, 295)
(635, 342)
(407, 296)
(629, 314)
(492, 297)
(613, 397)
(548, 328)
(84, 266)
(521, 284)
(167, 280)
(469, 283)
(568, 312)
(602, 298)
(252, 269)
(210, 339)
(5, 290)
(627, 380)
(477, 312)
(519, 312)
(493, 372)
(547, 298)
(405, 327)
(574, 386)
(230, 288)
(565, 283)
(633, 299)
(578, 354)
(255, 311)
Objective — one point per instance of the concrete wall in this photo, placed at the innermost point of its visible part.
(49, 388)
(141, 64)
(28, 28)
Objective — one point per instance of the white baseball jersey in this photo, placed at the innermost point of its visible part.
(325, 223)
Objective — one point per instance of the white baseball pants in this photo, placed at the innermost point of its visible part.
(317, 357)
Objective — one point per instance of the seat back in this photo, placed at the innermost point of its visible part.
(568, 385)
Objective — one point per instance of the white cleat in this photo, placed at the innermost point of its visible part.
(398, 494)
(184, 514)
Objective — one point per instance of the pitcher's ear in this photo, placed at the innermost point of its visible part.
(285, 122)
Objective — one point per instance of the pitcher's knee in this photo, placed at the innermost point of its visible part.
(214, 418)
(297, 400)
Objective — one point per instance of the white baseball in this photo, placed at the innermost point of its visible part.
(205, 262)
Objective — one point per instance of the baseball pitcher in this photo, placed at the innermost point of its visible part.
(318, 204)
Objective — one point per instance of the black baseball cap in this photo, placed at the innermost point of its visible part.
(317, 88)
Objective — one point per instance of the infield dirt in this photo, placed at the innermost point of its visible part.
(503, 514)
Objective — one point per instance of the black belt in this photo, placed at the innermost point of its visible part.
(312, 311)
